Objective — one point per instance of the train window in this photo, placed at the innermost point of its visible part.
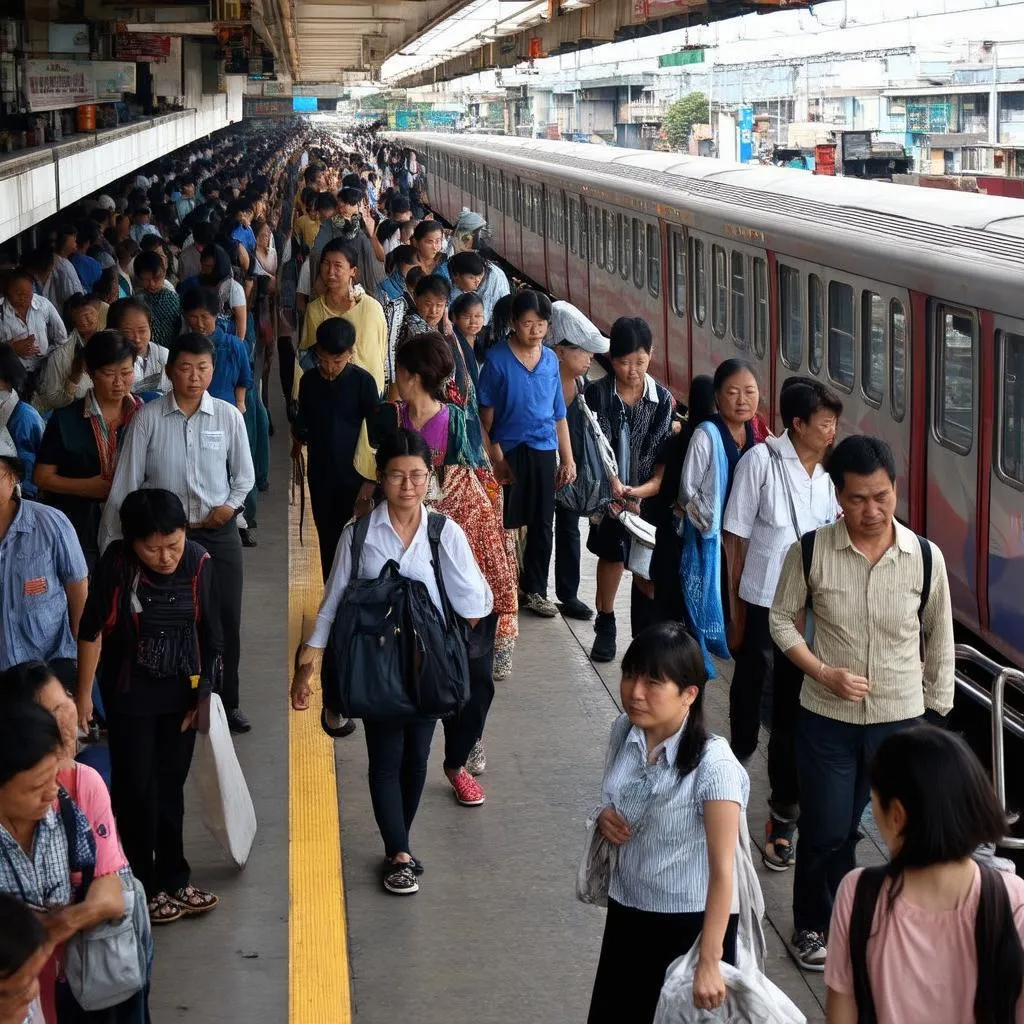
(841, 326)
(625, 247)
(542, 227)
(574, 226)
(699, 275)
(1011, 407)
(598, 247)
(609, 241)
(897, 359)
(566, 222)
(815, 322)
(638, 253)
(791, 320)
(760, 307)
(739, 298)
(719, 289)
(954, 379)
(678, 274)
(872, 348)
(653, 260)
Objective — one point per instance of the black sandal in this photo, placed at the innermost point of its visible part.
(164, 910)
(345, 729)
(193, 901)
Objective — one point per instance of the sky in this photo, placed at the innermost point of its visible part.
(841, 25)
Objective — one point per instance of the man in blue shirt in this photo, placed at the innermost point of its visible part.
(242, 210)
(43, 578)
(522, 409)
(232, 371)
(21, 426)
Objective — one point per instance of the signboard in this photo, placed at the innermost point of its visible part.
(68, 39)
(304, 104)
(53, 84)
(682, 58)
(277, 88)
(141, 46)
(746, 131)
(440, 118)
(112, 78)
(266, 107)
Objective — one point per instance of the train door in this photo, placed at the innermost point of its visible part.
(555, 241)
(677, 324)
(951, 508)
(1005, 554)
(576, 258)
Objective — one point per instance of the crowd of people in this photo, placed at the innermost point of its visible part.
(453, 435)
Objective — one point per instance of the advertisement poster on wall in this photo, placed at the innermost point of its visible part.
(53, 84)
(112, 78)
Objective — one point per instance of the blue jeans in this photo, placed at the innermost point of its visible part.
(832, 765)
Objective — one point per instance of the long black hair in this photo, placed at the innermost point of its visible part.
(665, 652)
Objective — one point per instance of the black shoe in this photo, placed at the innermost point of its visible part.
(238, 720)
(248, 540)
(604, 638)
(574, 608)
(346, 728)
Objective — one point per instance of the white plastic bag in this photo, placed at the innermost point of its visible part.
(227, 808)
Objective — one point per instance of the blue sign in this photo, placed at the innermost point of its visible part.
(746, 130)
(304, 104)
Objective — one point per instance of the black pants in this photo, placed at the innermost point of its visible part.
(832, 760)
(132, 1011)
(225, 548)
(567, 554)
(530, 502)
(636, 951)
(332, 507)
(398, 753)
(760, 662)
(286, 366)
(149, 761)
(461, 731)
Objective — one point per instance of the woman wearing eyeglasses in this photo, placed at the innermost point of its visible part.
(397, 750)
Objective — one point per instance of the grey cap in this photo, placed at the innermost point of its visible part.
(570, 326)
(105, 202)
(469, 221)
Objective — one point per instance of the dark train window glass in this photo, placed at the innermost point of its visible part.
(739, 298)
(653, 260)
(954, 381)
(897, 359)
(542, 228)
(609, 241)
(873, 346)
(791, 319)
(639, 253)
(841, 320)
(699, 274)
(760, 307)
(719, 289)
(815, 323)
(625, 247)
(574, 226)
(566, 221)
(1011, 407)
(598, 250)
(678, 274)
(584, 231)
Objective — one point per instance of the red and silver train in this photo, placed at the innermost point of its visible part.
(907, 301)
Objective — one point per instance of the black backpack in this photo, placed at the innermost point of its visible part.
(995, 938)
(391, 654)
(591, 491)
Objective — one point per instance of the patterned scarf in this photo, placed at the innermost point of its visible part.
(107, 439)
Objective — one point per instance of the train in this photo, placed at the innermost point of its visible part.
(909, 302)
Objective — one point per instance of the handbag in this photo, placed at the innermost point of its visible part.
(107, 964)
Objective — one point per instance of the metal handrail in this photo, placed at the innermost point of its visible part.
(1002, 718)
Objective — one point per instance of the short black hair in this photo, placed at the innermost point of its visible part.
(433, 284)
(65, 231)
(24, 680)
(801, 397)
(629, 334)
(193, 344)
(400, 256)
(463, 303)
(347, 249)
(529, 301)
(151, 243)
(426, 227)
(117, 311)
(413, 276)
(22, 935)
(12, 370)
(148, 263)
(104, 283)
(335, 336)
(352, 181)
(861, 455)
(428, 355)
(350, 196)
(399, 204)
(73, 303)
(325, 201)
(201, 298)
(151, 510)
(105, 348)
(28, 733)
(204, 233)
(88, 231)
(466, 263)
(729, 368)
(399, 444)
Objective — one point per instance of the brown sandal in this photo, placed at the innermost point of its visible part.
(193, 901)
(163, 910)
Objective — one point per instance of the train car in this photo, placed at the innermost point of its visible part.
(907, 301)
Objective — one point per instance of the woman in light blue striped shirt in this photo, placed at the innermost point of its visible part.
(672, 797)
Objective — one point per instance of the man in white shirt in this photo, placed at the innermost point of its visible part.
(29, 323)
(196, 447)
(779, 493)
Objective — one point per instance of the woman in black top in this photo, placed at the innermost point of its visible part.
(153, 609)
(77, 456)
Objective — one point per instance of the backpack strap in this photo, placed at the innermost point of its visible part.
(926, 582)
(362, 528)
(435, 527)
(999, 952)
(862, 916)
(70, 823)
(807, 553)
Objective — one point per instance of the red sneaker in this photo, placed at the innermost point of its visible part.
(468, 791)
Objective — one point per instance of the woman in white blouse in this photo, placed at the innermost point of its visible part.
(672, 797)
(397, 751)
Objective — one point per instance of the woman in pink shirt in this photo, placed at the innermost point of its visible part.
(907, 938)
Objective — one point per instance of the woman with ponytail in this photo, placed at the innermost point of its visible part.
(934, 935)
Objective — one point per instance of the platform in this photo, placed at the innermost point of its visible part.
(495, 935)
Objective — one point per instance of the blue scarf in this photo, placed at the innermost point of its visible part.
(732, 449)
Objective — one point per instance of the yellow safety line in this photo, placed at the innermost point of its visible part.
(318, 977)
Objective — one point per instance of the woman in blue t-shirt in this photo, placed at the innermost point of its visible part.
(522, 411)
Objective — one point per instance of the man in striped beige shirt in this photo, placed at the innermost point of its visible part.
(864, 676)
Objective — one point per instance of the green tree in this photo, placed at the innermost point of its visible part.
(682, 116)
